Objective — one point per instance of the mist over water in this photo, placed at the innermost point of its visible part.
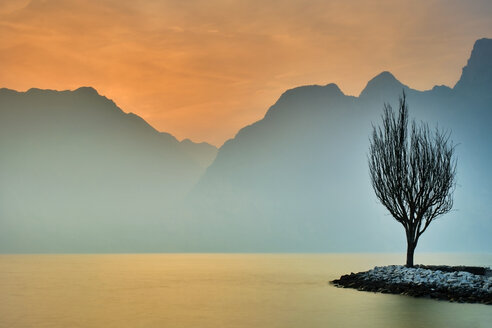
(106, 221)
(216, 290)
(79, 175)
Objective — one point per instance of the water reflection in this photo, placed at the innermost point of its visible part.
(218, 290)
(409, 312)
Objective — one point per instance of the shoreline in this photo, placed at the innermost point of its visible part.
(451, 283)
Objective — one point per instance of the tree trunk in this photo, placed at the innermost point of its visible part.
(410, 250)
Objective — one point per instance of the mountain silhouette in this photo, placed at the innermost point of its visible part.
(80, 175)
(297, 180)
(476, 78)
(381, 87)
(75, 168)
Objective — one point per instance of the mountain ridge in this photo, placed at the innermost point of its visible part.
(92, 92)
(304, 164)
(477, 74)
(296, 180)
(80, 173)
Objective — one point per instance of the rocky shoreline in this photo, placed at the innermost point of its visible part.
(455, 284)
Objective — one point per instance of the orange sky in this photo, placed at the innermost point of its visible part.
(204, 69)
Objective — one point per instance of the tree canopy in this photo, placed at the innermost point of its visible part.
(412, 172)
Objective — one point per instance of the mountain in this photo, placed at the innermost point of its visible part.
(383, 87)
(476, 78)
(78, 174)
(76, 169)
(202, 153)
(297, 180)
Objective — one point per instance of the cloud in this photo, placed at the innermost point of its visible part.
(184, 64)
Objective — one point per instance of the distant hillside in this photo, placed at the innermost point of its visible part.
(76, 168)
(79, 175)
(297, 180)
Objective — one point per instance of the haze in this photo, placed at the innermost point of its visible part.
(204, 69)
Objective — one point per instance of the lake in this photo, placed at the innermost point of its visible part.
(217, 290)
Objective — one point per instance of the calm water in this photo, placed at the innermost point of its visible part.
(215, 290)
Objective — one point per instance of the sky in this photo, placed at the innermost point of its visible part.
(204, 69)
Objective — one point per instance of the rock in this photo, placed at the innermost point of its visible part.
(439, 282)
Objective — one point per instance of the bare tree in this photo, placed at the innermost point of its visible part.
(413, 175)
